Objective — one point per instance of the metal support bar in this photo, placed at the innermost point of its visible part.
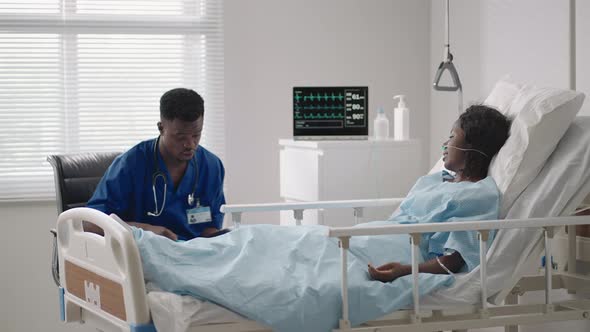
(576, 282)
(55, 259)
(447, 51)
(572, 43)
(285, 206)
(483, 248)
(521, 314)
(548, 268)
(511, 299)
(344, 244)
(298, 215)
(571, 253)
(236, 218)
(358, 213)
(415, 242)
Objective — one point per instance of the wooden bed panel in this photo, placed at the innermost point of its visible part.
(84, 284)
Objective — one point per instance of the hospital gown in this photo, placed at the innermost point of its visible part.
(288, 278)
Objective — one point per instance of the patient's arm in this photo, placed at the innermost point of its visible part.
(92, 228)
(391, 271)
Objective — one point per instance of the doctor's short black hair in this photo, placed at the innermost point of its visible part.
(486, 130)
(181, 103)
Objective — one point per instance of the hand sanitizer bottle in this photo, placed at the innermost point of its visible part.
(401, 120)
(381, 125)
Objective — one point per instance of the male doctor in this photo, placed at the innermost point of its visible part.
(168, 185)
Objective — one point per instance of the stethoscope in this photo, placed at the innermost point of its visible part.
(158, 173)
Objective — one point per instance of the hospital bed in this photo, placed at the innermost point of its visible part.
(102, 281)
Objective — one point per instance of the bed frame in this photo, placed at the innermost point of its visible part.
(102, 279)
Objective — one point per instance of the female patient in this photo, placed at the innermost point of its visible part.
(288, 278)
(475, 138)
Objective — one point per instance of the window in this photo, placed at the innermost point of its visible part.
(87, 75)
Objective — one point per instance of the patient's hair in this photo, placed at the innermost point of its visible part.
(183, 104)
(486, 130)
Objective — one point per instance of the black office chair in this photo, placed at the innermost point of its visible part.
(76, 177)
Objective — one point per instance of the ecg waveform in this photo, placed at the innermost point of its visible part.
(318, 107)
(319, 97)
(318, 116)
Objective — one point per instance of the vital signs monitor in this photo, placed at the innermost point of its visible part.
(330, 113)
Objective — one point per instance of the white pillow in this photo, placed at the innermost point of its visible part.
(540, 117)
(503, 95)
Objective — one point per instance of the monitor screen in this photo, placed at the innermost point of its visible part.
(330, 112)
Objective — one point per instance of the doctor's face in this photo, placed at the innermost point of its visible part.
(453, 158)
(180, 139)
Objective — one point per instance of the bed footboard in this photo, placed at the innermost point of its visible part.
(101, 277)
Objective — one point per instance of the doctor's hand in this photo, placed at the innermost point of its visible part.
(388, 272)
(159, 230)
(213, 232)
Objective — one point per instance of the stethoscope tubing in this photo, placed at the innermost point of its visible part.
(158, 173)
(157, 212)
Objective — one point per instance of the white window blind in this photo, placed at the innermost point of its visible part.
(87, 75)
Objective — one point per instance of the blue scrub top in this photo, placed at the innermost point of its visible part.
(126, 190)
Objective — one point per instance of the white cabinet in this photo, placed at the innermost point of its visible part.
(339, 170)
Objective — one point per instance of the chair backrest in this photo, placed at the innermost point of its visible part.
(77, 175)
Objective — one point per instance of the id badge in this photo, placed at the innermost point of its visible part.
(198, 215)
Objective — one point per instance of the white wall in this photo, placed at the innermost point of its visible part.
(272, 46)
(29, 300)
(528, 39)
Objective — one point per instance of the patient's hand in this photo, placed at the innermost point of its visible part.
(163, 231)
(388, 272)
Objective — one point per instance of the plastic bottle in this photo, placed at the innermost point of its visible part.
(381, 125)
(401, 120)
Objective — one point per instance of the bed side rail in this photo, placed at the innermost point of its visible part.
(357, 207)
(482, 227)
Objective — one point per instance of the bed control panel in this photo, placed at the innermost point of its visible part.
(92, 293)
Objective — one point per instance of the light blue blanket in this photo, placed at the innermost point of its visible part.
(285, 277)
(288, 278)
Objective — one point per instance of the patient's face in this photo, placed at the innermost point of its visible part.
(453, 158)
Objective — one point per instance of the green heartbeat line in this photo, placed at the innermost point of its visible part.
(320, 97)
(318, 116)
(319, 107)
